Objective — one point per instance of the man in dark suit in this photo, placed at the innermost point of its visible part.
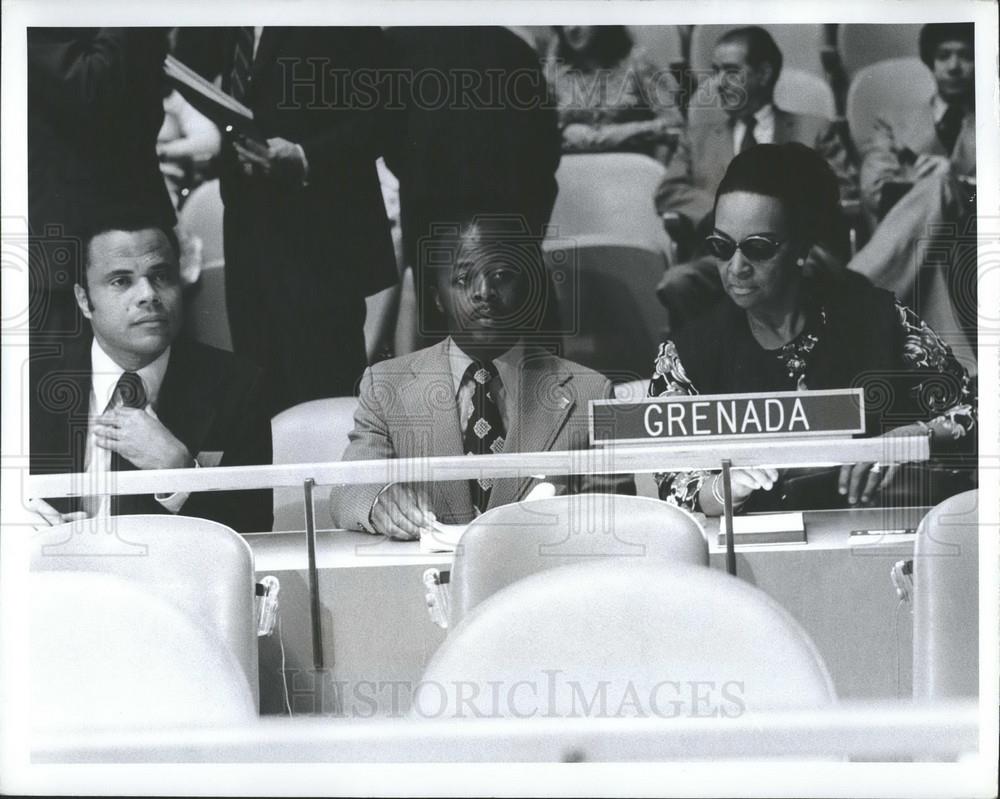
(487, 388)
(95, 106)
(305, 230)
(134, 396)
(747, 64)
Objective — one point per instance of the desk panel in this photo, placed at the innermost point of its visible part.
(378, 636)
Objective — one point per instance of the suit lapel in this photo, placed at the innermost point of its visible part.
(540, 400)
(429, 398)
(184, 405)
(264, 57)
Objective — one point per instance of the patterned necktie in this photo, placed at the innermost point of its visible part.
(484, 434)
(950, 126)
(239, 75)
(748, 138)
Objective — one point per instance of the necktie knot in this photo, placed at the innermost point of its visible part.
(130, 391)
(482, 372)
(749, 140)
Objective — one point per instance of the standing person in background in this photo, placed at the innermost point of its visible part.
(929, 152)
(95, 106)
(610, 96)
(305, 231)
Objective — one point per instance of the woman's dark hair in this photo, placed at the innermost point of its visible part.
(935, 33)
(610, 45)
(800, 179)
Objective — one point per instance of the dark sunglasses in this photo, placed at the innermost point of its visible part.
(755, 248)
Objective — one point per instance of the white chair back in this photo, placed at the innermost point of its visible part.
(107, 653)
(885, 88)
(311, 432)
(201, 568)
(624, 638)
(946, 601)
(511, 542)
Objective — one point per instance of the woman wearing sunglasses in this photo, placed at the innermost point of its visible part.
(787, 325)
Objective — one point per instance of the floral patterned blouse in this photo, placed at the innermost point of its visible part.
(923, 351)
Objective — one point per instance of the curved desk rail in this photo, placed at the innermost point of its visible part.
(863, 730)
(635, 459)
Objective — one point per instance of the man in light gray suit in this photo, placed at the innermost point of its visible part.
(486, 388)
(747, 64)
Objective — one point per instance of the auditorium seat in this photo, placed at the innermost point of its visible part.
(863, 44)
(946, 601)
(508, 543)
(797, 91)
(108, 653)
(205, 317)
(897, 84)
(608, 194)
(800, 45)
(201, 216)
(202, 569)
(661, 43)
(626, 638)
(606, 294)
(311, 432)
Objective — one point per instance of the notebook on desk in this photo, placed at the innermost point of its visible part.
(765, 528)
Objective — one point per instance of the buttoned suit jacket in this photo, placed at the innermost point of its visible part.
(408, 409)
(210, 400)
(703, 153)
(911, 129)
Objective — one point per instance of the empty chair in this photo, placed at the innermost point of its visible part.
(800, 45)
(662, 43)
(884, 88)
(608, 194)
(625, 637)
(201, 568)
(109, 653)
(946, 601)
(205, 317)
(311, 432)
(862, 44)
(201, 216)
(606, 296)
(511, 542)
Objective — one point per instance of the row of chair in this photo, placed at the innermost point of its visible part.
(857, 45)
(612, 593)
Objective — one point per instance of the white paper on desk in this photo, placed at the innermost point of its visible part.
(444, 538)
(764, 523)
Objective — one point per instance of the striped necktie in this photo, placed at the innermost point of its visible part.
(239, 75)
(484, 434)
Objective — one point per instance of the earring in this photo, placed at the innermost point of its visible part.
(801, 262)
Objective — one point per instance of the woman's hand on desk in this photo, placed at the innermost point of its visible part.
(402, 511)
(745, 482)
(861, 481)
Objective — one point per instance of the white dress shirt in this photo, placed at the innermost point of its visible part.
(763, 132)
(105, 374)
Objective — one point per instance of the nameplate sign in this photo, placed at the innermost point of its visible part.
(766, 415)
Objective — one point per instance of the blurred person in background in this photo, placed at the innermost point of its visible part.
(609, 95)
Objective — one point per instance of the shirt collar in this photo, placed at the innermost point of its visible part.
(507, 364)
(105, 373)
